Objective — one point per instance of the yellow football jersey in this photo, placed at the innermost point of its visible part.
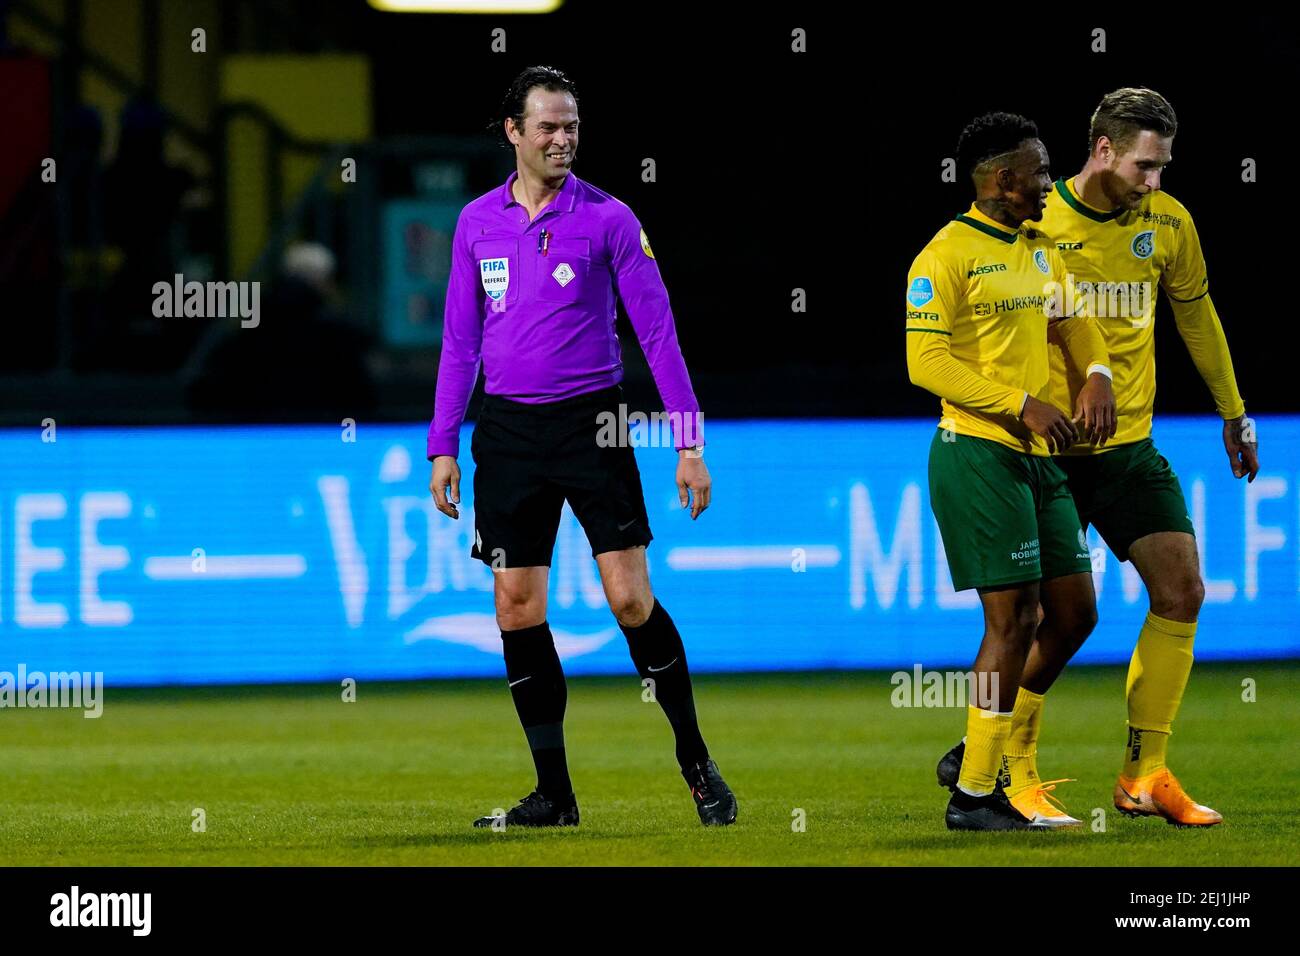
(986, 287)
(1116, 260)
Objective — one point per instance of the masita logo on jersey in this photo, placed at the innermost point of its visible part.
(920, 291)
(1040, 260)
(1144, 244)
(495, 274)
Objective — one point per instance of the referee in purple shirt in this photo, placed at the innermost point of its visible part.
(537, 267)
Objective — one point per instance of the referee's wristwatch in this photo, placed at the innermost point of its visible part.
(696, 451)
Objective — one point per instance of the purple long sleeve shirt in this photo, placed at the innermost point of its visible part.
(538, 313)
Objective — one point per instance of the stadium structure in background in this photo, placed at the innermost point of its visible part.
(210, 140)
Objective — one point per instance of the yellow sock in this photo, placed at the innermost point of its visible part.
(986, 738)
(1022, 744)
(1146, 752)
(1157, 678)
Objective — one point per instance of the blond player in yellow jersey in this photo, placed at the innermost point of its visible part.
(980, 299)
(1121, 237)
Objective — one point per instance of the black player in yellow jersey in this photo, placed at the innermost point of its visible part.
(981, 297)
(1120, 237)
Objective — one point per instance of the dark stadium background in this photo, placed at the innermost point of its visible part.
(1226, 77)
(737, 216)
(774, 171)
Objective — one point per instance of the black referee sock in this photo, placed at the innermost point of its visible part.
(658, 654)
(540, 695)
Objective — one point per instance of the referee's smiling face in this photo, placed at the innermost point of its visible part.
(548, 141)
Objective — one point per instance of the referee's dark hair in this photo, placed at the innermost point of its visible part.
(991, 135)
(1124, 113)
(515, 101)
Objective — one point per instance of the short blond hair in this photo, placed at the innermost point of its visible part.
(1125, 112)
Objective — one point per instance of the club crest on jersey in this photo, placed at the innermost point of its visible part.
(1144, 243)
(1040, 260)
(495, 274)
(920, 291)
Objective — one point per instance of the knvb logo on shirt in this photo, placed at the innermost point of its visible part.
(495, 274)
(563, 274)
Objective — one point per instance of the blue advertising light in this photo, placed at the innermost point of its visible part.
(216, 555)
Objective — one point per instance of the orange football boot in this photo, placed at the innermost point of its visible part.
(1160, 794)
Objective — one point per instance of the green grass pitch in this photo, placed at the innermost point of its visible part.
(293, 775)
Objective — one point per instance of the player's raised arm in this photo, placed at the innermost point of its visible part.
(1187, 285)
(462, 338)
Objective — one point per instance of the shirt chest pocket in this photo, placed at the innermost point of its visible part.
(497, 261)
(566, 274)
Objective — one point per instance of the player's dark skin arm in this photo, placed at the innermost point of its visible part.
(1050, 422)
(1095, 410)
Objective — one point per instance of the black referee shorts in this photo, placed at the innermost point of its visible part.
(530, 459)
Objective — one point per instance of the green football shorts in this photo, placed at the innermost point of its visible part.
(1005, 517)
(1126, 493)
